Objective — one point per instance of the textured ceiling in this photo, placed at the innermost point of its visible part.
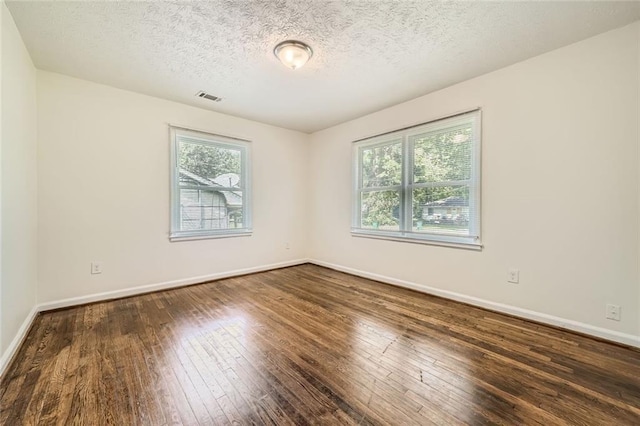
(368, 55)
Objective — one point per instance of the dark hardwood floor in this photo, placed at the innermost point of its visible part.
(308, 345)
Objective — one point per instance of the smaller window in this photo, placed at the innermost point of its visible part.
(210, 188)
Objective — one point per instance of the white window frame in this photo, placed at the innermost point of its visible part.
(405, 189)
(195, 136)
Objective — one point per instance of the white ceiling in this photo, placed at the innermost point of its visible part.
(368, 55)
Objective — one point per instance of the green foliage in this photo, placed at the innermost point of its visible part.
(209, 161)
(381, 166)
(444, 156)
(380, 208)
(437, 157)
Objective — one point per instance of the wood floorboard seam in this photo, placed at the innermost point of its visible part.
(310, 345)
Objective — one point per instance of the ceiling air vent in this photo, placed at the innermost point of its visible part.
(208, 96)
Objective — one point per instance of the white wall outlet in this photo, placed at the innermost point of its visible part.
(96, 268)
(287, 246)
(513, 276)
(613, 312)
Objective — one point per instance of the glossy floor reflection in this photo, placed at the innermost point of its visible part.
(308, 345)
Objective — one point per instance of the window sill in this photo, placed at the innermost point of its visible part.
(190, 237)
(393, 236)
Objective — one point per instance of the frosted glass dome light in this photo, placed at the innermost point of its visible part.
(293, 54)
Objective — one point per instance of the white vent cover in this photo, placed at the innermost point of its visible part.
(205, 95)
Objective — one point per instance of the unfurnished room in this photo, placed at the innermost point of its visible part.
(296, 212)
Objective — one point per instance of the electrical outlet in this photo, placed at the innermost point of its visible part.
(513, 276)
(613, 312)
(287, 246)
(96, 268)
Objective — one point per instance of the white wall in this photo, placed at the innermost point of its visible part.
(104, 191)
(18, 261)
(560, 141)
(559, 191)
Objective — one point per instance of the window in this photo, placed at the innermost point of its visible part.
(210, 190)
(421, 183)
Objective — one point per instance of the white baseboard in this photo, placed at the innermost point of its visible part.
(132, 291)
(603, 333)
(7, 356)
(15, 344)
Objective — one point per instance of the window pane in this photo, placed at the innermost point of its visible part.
(442, 210)
(382, 165)
(201, 164)
(210, 197)
(431, 196)
(444, 155)
(205, 209)
(381, 210)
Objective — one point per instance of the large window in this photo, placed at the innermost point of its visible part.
(210, 190)
(421, 183)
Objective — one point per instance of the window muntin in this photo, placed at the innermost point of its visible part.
(210, 194)
(421, 183)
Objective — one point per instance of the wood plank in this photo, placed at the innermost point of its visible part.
(309, 345)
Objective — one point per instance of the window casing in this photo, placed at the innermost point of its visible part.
(420, 184)
(210, 185)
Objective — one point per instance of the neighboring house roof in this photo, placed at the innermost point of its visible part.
(449, 202)
(232, 198)
(199, 179)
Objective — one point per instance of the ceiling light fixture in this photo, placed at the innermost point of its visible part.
(292, 53)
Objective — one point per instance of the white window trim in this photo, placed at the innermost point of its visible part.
(472, 242)
(175, 234)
